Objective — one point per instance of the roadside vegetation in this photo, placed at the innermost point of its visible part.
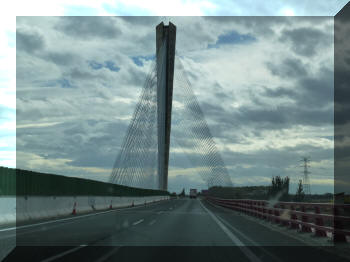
(278, 190)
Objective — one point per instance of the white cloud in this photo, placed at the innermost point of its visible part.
(79, 117)
(211, 66)
(36, 162)
(38, 125)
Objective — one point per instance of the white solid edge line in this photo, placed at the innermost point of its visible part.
(235, 230)
(73, 218)
(247, 238)
(56, 220)
(63, 254)
(252, 257)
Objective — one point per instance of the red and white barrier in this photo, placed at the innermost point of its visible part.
(319, 218)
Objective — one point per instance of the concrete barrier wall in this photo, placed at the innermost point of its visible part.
(37, 207)
(7, 210)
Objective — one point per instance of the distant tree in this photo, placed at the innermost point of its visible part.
(299, 195)
(182, 194)
(279, 188)
(244, 192)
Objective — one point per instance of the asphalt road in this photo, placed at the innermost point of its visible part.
(180, 229)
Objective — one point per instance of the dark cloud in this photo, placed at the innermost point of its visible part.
(307, 90)
(317, 91)
(257, 25)
(89, 27)
(80, 74)
(109, 142)
(279, 92)
(61, 58)
(29, 41)
(211, 109)
(278, 158)
(225, 123)
(305, 41)
(290, 67)
(263, 116)
(75, 141)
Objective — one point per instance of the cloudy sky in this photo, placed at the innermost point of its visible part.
(265, 85)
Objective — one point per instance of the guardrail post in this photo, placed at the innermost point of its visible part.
(319, 222)
(270, 218)
(235, 207)
(252, 208)
(299, 218)
(259, 209)
(338, 236)
(293, 217)
(276, 214)
(283, 222)
(264, 211)
(304, 218)
(255, 209)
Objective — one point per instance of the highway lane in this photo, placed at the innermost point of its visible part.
(181, 229)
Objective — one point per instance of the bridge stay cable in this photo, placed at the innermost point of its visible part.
(137, 161)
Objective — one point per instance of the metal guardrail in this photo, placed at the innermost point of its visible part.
(306, 217)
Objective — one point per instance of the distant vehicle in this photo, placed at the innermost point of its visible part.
(193, 193)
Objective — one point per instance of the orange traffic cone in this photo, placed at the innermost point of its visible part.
(74, 212)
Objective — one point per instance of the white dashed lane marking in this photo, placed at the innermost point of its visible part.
(152, 222)
(137, 222)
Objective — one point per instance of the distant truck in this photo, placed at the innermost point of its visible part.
(193, 193)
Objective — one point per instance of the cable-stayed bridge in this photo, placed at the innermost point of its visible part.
(82, 220)
(144, 156)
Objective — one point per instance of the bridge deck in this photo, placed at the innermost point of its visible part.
(212, 232)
